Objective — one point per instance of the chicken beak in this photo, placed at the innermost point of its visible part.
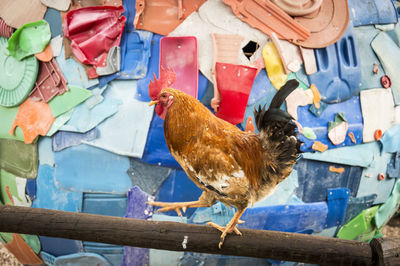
(153, 103)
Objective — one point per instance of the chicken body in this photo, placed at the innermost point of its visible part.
(234, 167)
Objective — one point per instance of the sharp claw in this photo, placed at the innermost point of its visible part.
(220, 244)
(240, 222)
(179, 212)
(184, 209)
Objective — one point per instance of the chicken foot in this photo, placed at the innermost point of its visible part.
(230, 227)
(177, 206)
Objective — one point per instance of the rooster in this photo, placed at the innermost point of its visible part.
(234, 167)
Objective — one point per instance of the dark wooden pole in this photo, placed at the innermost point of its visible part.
(183, 237)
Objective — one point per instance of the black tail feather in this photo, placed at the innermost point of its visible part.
(283, 92)
(278, 123)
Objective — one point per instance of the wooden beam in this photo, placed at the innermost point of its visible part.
(183, 237)
(386, 251)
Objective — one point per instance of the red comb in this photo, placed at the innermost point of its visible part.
(167, 77)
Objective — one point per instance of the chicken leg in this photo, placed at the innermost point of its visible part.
(230, 227)
(177, 206)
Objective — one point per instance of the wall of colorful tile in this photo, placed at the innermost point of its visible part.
(77, 133)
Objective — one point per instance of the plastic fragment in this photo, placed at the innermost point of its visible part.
(113, 62)
(226, 50)
(17, 78)
(339, 71)
(360, 227)
(298, 8)
(319, 146)
(163, 16)
(34, 118)
(298, 97)
(29, 39)
(351, 136)
(5, 30)
(390, 140)
(316, 95)
(62, 5)
(249, 125)
(326, 25)
(334, 169)
(377, 112)
(180, 55)
(310, 64)
(378, 134)
(273, 65)
(318, 111)
(46, 55)
(267, 17)
(381, 176)
(49, 83)
(234, 84)
(56, 45)
(68, 100)
(102, 27)
(22, 251)
(19, 12)
(65, 139)
(21, 159)
(375, 69)
(309, 133)
(385, 81)
(389, 208)
(337, 129)
(388, 53)
(289, 54)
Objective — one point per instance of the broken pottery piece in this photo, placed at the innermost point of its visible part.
(180, 55)
(17, 78)
(309, 133)
(50, 82)
(163, 16)
(234, 84)
(267, 17)
(19, 12)
(390, 140)
(274, 66)
(34, 118)
(326, 25)
(31, 38)
(226, 50)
